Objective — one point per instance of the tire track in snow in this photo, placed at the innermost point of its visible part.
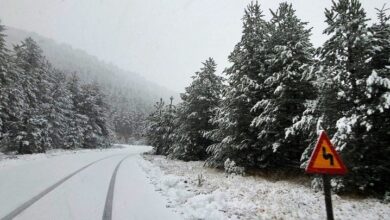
(107, 214)
(34, 199)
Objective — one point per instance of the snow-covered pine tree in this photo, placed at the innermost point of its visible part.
(154, 132)
(369, 149)
(3, 58)
(358, 96)
(4, 82)
(97, 133)
(381, 42)
(289, 89)
(60, 113)
(168, 127)
(32, 129)
(160, 127)
(197, 108)
(45, 85)
(78, 121)
(12, 101)
(344, 58)
(236, 139)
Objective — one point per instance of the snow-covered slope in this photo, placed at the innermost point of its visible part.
(221, 197)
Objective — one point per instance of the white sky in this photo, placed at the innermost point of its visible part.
(163, 40)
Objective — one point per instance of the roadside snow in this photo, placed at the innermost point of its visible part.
(237, 197)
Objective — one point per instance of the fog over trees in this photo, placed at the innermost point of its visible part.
(53, 96)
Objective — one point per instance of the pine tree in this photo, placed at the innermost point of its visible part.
(4, 81)
(369, 146)
(154, 133)
(11, 102)
(92, 104)
(168, 127)
(78, 121)
(4, 58)
(347, 51)
(60, 115)
(350, 59)
(161, 127)
(236, 139)
(345, 54)
(196, 110)
(12, 106)
(32, 129)
(289, 89)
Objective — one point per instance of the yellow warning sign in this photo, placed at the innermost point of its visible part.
(325, 159)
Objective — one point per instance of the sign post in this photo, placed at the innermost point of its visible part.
(328, 197)
(326, 161)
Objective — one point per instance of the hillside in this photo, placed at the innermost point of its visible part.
(141, 92)
(130, 95)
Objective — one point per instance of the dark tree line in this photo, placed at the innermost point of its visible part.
(42, 109)
(280, 91)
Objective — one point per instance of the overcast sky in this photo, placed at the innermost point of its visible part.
(163, 40)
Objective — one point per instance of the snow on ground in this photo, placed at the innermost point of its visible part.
(24, 176)
(190, 189)
(135, 198)
(237, 197)
(82, 196)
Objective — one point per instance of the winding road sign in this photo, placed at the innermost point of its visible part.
(325, 159)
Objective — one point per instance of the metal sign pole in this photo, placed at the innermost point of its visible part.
(326, 161)
(328, 197)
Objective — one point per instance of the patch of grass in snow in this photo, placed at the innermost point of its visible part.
(291, 175)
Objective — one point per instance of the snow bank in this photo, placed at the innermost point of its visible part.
(236, 197)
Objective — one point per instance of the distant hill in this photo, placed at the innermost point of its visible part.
(130, 96)
(140, 94)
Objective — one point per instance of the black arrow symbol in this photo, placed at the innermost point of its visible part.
(327, 156)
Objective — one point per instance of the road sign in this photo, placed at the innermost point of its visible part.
(325, 159)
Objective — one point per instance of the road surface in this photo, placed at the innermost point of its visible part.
(104, 185)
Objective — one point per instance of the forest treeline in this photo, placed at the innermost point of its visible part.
(129, 95)
(41, 108)
(279, 91)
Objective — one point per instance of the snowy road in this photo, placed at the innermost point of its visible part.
(83, 185)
